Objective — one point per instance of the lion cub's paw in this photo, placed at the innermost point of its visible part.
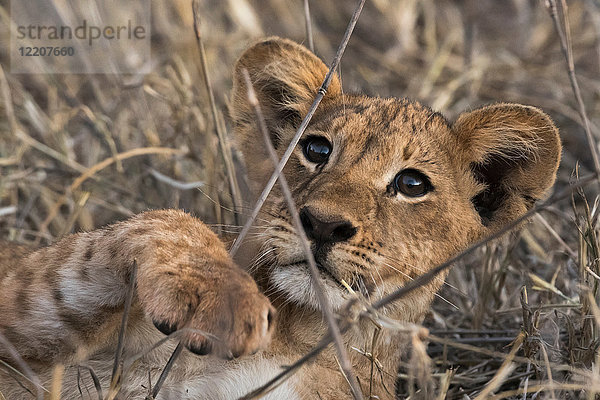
(219, 306)
(240, 318)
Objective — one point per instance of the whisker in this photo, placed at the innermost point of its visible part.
(233, 226)
(421, 270)
(244, 207)
(436, 294)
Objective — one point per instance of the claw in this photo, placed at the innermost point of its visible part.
(165, 327)
(203, 349)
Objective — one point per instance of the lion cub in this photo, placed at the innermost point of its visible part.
(386, 189)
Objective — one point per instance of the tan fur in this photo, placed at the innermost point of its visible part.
(63, 303)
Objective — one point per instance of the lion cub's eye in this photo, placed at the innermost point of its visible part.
(412, 183)
(317, 149)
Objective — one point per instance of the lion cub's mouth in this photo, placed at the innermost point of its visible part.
(325, 272)
(294, 279)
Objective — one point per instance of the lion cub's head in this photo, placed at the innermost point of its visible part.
(386, 188)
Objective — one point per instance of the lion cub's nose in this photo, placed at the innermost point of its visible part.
(325, 232)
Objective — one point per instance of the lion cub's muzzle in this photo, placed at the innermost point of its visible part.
(325, 231)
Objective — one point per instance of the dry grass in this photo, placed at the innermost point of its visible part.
(521, 318)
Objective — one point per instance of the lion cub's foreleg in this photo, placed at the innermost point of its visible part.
(68, 297)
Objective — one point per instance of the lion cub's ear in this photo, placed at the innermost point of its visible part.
(286, 77)
(514, 150)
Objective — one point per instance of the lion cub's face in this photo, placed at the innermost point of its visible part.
(386, 188)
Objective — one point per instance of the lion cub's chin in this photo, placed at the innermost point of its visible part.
(295, 282)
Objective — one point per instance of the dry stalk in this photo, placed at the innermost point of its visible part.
(286, 156)
(223, 143)
(564, 34)
(58, 373)
(419, 371)
(79, 206)
(445, 384)
(174, 183)
(589, 253)
(165, 372)
(95, 379)
(504, 371)
(374, 345)
(544, 387)
(596, 313)
(334, 330)
(130, 362)
(502, 356)
(169, 365)
(309, 32)
(526, 384)
(291, 369)
(556, 236)
(548, 370)
(117, 372)
(540, 307)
